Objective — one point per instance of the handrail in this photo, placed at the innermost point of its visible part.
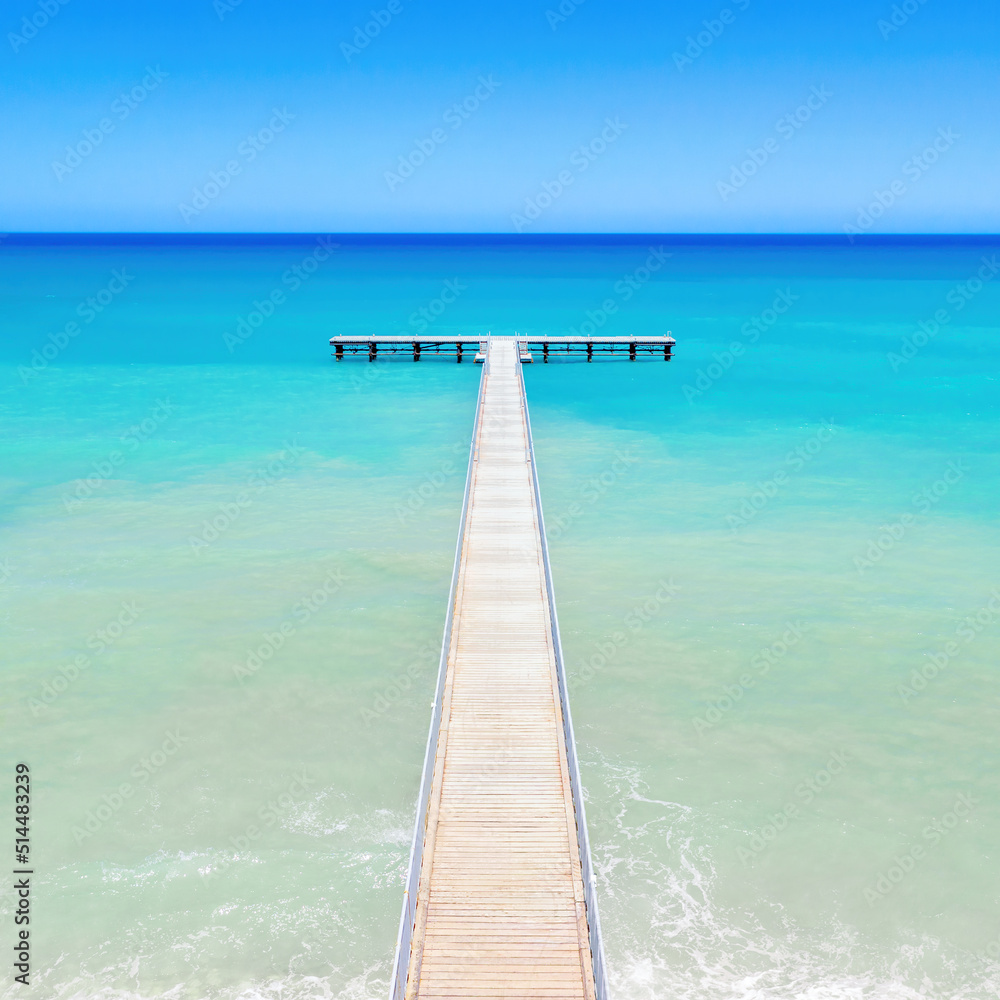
(401, 963)
(587, 871)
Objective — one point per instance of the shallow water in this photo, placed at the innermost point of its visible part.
(744, 598)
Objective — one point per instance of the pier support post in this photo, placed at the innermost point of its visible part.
(554, 346)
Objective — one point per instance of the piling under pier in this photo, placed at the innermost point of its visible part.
(376, 345)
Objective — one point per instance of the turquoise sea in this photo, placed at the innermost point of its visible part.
(225, 559)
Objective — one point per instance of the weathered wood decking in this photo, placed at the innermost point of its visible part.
(500, 908)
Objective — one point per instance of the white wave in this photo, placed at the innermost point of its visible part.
(667, 934)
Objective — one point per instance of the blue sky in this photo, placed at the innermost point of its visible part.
(511, 117)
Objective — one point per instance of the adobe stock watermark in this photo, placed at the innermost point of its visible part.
(958, 298)
(272, 810)
(562, 13)
(318, 939)
(416, 499)
(762, 662)
(304, 609)
(143, 769)
(295, 793)
(426, 657)
(420, 321)
(88, 310)
(805, 792)
(898, 18)
(97, 642)
(913, 170)
(454, 118)
(247, 151)
(121, 107)
(224, 7)
(971, 627)
(608, 648)
(624, 289)
(365, 34)
(591, 490)
(293, 279)
(706, 377)
(105, 468)
(580, 160)
(935, 831)
(369, 374)
(707, 36)
(260, 480)
(422, 318)
(47, 9)
(787, 128)
(924, 500)
(768, 489)
(991, 953)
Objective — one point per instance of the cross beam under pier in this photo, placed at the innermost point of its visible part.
(461, 346)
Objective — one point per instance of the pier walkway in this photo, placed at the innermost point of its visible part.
(500, 897)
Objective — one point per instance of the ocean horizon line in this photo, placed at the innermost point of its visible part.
(234, 238)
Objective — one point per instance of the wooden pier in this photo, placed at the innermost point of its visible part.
(463, 346)
(500, 899)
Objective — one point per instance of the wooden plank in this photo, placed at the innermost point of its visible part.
(500, 905)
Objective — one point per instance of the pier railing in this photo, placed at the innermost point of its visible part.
(404, 939)
(589, 882)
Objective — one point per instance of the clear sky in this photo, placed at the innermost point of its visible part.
(525, 115)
